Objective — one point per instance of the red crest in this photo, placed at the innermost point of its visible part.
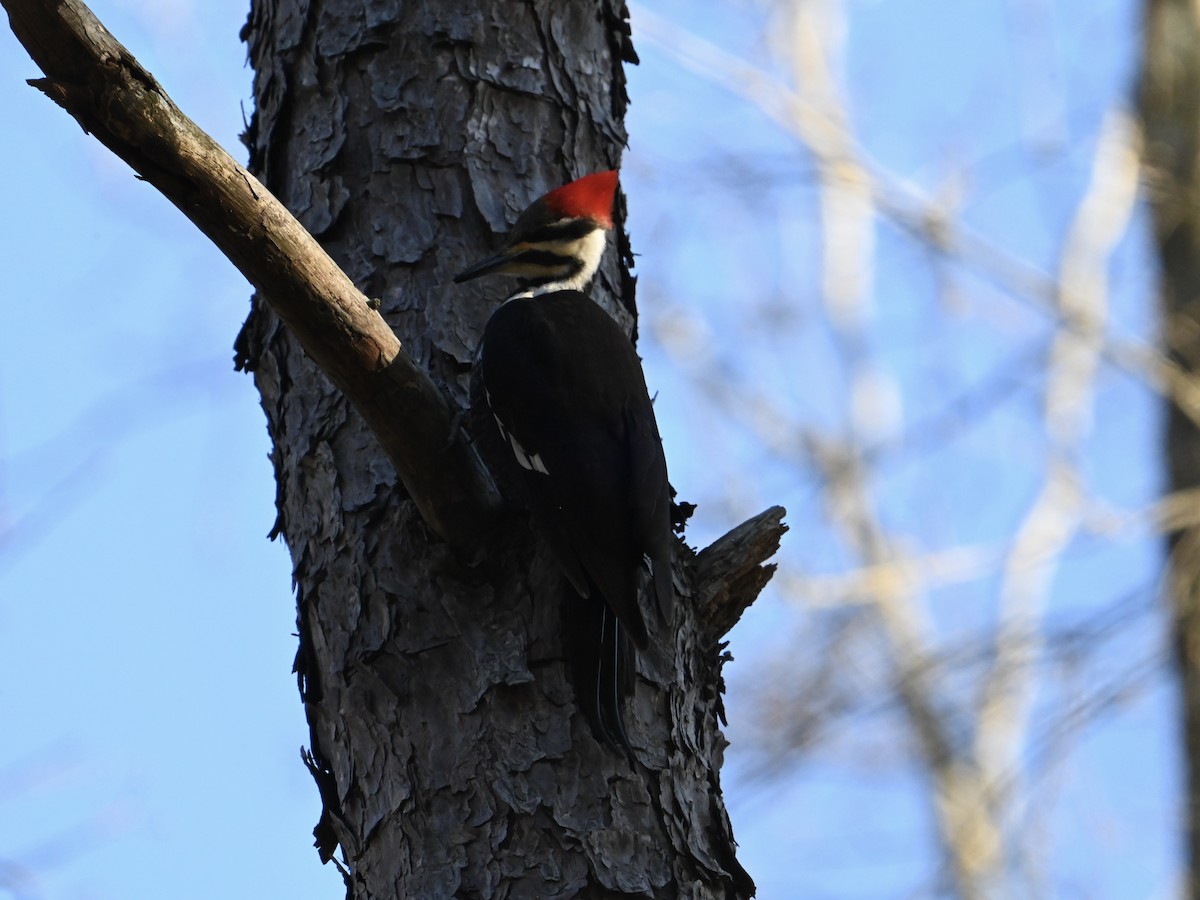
(590, 197)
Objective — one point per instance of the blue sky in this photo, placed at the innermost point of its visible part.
(154, 727)
(146, 622)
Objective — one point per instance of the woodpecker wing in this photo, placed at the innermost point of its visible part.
(568, 393)
(649, 497)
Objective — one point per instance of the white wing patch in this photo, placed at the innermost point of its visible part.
(530, 462)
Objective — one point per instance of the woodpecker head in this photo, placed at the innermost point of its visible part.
(557, 242)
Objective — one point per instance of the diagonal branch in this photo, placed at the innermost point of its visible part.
(95, 79)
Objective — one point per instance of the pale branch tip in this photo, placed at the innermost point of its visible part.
(112, 96)
(730, 572)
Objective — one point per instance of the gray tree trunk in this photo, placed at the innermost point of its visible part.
(1169, 103)
(450, 754)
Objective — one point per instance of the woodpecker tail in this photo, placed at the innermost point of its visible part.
(602, 663)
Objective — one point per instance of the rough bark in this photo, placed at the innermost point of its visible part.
(407, 137)
(92, 76)
(450, 755)
(1169, 103)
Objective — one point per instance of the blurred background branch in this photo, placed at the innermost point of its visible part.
(896, 274)
(951, 365)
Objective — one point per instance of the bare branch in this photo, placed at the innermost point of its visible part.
(730, 572)
(930, 218)
(97, 81)
(1056, 515)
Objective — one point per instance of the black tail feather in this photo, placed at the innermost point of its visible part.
(602, 665)
(614, 679)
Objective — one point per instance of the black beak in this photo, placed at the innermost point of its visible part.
(489, 265)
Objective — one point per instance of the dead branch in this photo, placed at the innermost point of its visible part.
(730, 572)
(95, 79)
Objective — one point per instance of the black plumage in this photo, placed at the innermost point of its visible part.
(567, 394)
(564, 389)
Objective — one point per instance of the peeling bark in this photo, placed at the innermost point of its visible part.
(451, 757)
(94, 78)
(408, 137)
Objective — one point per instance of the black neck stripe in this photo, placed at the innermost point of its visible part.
(562, 230)
(548, 259)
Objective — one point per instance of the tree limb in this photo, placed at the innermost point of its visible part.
(730, 573)
(95, 79)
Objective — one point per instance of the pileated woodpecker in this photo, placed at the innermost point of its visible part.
(566, 392)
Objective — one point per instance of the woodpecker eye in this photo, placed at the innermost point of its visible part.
(539, 262)
(563, 231)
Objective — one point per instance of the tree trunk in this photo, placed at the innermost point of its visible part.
(1169, 103)
(450, 754)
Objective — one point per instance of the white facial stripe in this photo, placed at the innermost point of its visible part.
(589, 249)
